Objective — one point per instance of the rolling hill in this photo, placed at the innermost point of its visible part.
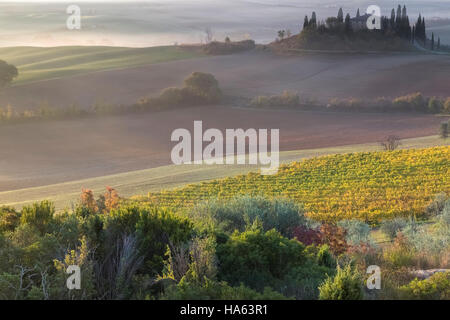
(36, 63)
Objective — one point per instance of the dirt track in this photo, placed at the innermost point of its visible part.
(34, 154)
(249, 74)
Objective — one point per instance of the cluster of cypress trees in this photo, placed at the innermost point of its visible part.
(398, 23)
(310, 23)
(420, 30)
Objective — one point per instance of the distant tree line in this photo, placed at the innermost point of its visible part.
(398, 24)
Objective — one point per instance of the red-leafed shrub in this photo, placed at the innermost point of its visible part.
(307, 236)
(334, 236)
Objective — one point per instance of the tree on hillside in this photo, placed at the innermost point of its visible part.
(439, 43)
(348, 24)
(398, 19)
(7, 73)
(313, 21)
(340, 15)
(404, 14)
(392, 21)
(420, 32)
(432, 41)
(305, 22)
(424, 33)
(358, 15)
(281, 34)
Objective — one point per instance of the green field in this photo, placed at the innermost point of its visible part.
(141, 182)
(37, 63)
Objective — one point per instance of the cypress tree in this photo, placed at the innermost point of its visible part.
(432, 41)
(439, 43)
(313, 21)
(392, 19)
(348, 24)
(384, 24)
(420, 29)
(340, 15)
(408, 30)
(424, 29)
(398, 19)
(358, 15)
(305, 22)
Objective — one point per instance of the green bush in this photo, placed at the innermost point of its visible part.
(401, 253)
(303, 282)
(9, 219)
(431, 242)
(357, 231)
(228, 47)
(436, 287)
(350, 104)
(38, 215)
(392, 226)
(258, 258)
(435, 105)
(7, 73)
(199, 89)
(345, 285)
(285, 99)
(203, 85)
(153, 228)
(213, 290)
(437, 205)
(446, 107)
(445, 215)
(411, 102)
(242, 212)
(172, 96)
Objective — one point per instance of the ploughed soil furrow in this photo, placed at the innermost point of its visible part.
(43, 153)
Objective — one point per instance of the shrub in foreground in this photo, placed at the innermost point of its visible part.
(436, 287)
(345, 285)
(241, 212)
(215, 290)
(258, 259)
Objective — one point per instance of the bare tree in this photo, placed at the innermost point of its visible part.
(198, 256)
(120, 265)
(209, 35)
(390, 143)
(203, 258)
(18, 285)
(178, 260)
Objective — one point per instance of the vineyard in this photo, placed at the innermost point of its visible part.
(370, 186)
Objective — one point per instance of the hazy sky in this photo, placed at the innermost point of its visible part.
(139, 23)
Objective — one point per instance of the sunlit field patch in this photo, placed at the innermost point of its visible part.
(370, 186)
